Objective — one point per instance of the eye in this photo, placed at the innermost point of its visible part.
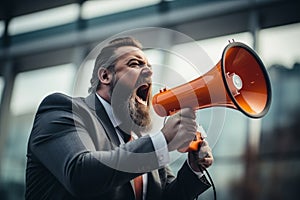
(133, 63)
(136, 63)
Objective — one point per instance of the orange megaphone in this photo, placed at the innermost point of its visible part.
(239, 81)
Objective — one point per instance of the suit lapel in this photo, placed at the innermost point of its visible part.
(102, 116)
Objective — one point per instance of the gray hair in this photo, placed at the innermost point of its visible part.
(107, 58)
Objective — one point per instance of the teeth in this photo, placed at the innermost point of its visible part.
(141, 94)
(141, 100)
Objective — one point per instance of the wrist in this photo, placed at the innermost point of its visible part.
(193, 162)
(161, 148)
(168, 137)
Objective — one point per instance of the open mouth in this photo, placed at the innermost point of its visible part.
(142, 94)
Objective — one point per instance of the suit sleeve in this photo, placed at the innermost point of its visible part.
(61, 141)
(186, 186)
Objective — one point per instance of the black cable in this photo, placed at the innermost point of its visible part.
(211, 182)
(204, 169)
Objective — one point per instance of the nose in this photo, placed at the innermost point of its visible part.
(146, 72)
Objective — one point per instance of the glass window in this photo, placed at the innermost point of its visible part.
(90, 9)
(1, 87)
(1, 28)
(44, 19)
(83, 76)
(280, 45)
(279, 49)
(215, 46)
(31, 87)
(280, 144)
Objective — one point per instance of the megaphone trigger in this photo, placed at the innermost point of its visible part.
(201, 130)
(197, 142)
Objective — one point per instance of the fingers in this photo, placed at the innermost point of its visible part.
(188, 125)
(188, 113)
(205, 157)
(205, 150)
(180, 129)
(206, 162)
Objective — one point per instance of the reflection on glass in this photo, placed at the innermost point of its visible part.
(90, 9)
(31, 87)
(1, 27)
(214, 46)
(280, 144)
(44, 19)
(1, 87)
(280, 45)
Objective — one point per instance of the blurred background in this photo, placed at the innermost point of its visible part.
(43, 44)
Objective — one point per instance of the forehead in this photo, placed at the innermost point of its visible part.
(129, 51)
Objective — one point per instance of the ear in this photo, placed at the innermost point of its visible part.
(105, 76)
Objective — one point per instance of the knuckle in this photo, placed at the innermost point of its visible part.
(178, 120)
(204, 144)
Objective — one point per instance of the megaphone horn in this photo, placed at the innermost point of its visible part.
(238, 81)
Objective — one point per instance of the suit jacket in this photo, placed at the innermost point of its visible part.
(74, 153)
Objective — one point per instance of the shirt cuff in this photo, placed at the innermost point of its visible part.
(161, 148)
(198, 174)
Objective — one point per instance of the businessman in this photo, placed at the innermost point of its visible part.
(96, 147)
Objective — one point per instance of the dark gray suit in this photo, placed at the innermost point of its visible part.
(74, 153)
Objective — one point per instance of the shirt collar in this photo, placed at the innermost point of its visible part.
(114, 120)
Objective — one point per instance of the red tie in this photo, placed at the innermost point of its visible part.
(138, 187)
(138, 181)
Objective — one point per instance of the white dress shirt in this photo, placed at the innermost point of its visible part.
(158, 141)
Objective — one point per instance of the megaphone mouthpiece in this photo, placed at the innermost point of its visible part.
(234, 82)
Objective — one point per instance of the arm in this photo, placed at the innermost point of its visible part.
(186, 186)
(62, 142)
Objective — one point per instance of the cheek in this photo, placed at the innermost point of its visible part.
(128, 78)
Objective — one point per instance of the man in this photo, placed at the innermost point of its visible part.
(94, 147)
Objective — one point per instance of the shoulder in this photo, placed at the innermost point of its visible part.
(62, 103)
(56, 98)
(58, 109)
(57, 101)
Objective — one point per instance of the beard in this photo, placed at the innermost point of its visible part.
(133, 115)
(140, 115)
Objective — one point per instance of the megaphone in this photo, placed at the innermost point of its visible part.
(238, 81)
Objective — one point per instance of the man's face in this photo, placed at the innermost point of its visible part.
(131, 88)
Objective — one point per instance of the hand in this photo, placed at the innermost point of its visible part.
(202, 158)
(180, 129)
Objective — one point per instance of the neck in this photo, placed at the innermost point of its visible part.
(104, 95)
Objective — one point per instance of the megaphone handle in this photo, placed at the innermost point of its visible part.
(196, 143)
